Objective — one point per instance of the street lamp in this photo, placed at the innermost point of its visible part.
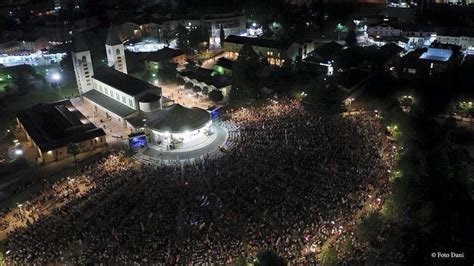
(56, 77)
(350, 100)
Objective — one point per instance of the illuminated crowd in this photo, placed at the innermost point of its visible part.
(290, 181)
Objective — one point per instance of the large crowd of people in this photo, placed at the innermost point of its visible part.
(290, 181)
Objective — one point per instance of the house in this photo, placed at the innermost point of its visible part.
(51, 127)
(463, 40)
(428, 61)
(275, 51)
(110, 90)
(34, 43)
(383, 30)
(153, 59)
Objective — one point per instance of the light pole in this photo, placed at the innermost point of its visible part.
(56, 77)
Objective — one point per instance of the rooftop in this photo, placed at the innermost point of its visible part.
(437, 54)
(225, 63)
(106, 102)
(55, 125)
(122, 82)
(222, 16)
(270, 43)
(164, 54)
(325, 52)
(179, 119)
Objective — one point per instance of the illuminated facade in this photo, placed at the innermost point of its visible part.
(111, 91)
(276, 52)
(49, 129)
(115, 51)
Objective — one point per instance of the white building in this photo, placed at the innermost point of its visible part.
(232, 24)
(464, 41)
(115, 52)
(111, 90)
(455, 2)
(383, 30)
(82, 62)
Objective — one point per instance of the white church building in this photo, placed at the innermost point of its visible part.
(111, 90)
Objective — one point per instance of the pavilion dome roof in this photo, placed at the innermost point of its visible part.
(178, 119)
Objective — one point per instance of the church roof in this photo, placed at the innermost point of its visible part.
(108, 103)
(122, 82)
(178, 119)
(113, 37)
(79, 43)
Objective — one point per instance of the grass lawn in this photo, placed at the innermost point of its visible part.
(43, 89)
(42, 93)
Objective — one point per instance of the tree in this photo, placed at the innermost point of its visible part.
(188, 86)
(328, 256)
(216, 96)
(22, 81)
(244, 73)
(182, 40)
(247, 54)
(285, 72)
(74, 150)
(240, 261)
(191, 64)
(165, 36)
(351, 38)
(167, 71)
(269, 258)
(326, 99)
(222, 36)
(198, 38)
(196, 89)
(340, 29)
(66, 62)
(449, 125)
(369, 227)
(180, 82)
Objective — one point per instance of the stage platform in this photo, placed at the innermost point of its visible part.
(156, 154)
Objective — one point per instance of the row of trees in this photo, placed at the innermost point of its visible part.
(195, 38)
(245, 81)
(323, 96)
(214, 95)
(429, 209)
